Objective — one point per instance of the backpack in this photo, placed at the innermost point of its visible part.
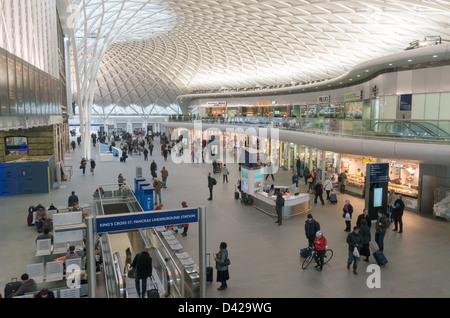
(214, 181)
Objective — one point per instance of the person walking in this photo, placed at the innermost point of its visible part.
(295, 179)
(225, 173)
(157, 185)
(306, 175)
(143, 265)
(319, 192)
(380, 230)
(153, 167)
(184, 226)
(150, 147)
(364, 229)
(354, 246)
(311, 228)
(211, 183)
(164, 176)
(320, 245)
(222, 263)
(145, 154)
(83, 164)
(397, 214)
(73, 145)
(92, 163)
(347, 215)
(342, 179)
(279, 204)
(328, 186)
(298, 166)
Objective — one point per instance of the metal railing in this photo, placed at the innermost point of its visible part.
(436, 131)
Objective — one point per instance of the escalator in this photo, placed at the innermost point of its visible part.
(170, 277)
(410, 130)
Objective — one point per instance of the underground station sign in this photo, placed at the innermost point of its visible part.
(138, 220)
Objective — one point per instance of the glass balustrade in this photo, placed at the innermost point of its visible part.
(437, 131)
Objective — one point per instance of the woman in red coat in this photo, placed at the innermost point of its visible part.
(320, 245)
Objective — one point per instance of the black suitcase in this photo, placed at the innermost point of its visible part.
(152, 293)
(12, 287)
(209, 271)
(379, 257)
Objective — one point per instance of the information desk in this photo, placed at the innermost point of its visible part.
(293, 205)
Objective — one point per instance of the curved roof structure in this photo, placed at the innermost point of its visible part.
(146, 53)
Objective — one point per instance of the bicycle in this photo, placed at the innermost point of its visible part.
(310, 257)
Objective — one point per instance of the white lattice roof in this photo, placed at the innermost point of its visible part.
(153, 51)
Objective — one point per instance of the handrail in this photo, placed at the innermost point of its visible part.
(355, 128)
(122, 285)
(164, 261)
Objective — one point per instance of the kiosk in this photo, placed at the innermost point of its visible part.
(294, 204)
(252, 183)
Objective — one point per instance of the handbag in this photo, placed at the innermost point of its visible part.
(226, 262)
(356, 252)
(132, 273)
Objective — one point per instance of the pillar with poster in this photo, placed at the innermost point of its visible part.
(377, 178)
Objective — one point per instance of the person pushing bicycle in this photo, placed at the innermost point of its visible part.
(320, 245)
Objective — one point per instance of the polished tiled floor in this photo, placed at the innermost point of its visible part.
(265, 257)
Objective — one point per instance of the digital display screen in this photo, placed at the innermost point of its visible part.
(244, 174)
(377, 197)
(258, 175)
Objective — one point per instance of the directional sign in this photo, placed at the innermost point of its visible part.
(379, 172)
(139, 220)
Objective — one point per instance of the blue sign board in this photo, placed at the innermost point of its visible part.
(139, 220)
(379, 172)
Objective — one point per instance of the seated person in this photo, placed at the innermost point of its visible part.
(53, 207)
(45, 293)
(287, 192)
(41, 215)
(271, 189)
(28, 285)
(45, 235)
(72, 254)
(76, 207)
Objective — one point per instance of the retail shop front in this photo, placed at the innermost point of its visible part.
(403, 177)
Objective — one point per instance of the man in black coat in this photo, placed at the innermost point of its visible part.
(279, 204)
(397, 213)
(364, 215)
(153, 167)
(143, 265)
(311, 228)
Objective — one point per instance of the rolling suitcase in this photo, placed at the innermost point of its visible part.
(379, 257)
(236, 194)
(209, 270)
(12, 287)
(153, 292)
(333, 198)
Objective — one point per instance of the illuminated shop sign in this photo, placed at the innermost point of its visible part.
(266, 103)
(217, 104)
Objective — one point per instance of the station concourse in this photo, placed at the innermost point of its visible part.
(265, 257)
